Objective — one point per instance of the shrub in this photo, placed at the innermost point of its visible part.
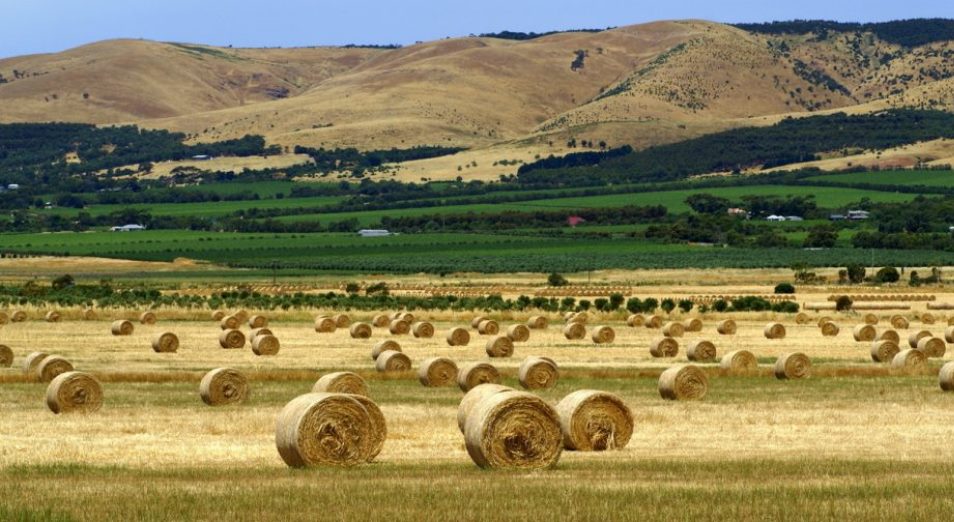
(685, 305)
(856, 273)
(668, 305)
(650, 304)
(843, 303)
(784, 288)
(556, 279)
(888, 274)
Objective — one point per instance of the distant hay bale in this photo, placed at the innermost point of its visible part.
(824, 319)
(342, 320)
(871, 319)
(259, 331)
(147, 318)
(18, 316)
(567, 316)
(265, 345)
(635, 320)
(653, 321)
(333, 429)
(4, 318)
(513, 430)
(950, 321)
(726, 327)
(899, 322)
(927, 318)
(693, 325)
(801, 318)
(949, 334)
(932, 346)
(399, 327)
(518, 333)
(74, 392)
(407, 317)
(232, 339)
(910, 359)
(664, 347)
(223, 386)
(864, 333)
(52, 366)
(380, 321)
(889, 335)
(574, 331)
(793, 366)
(579, 317)
(473, 397)
(241, 315)
(916, 336)
(945, 378)
(458, 336)
(360, 331)
(53, 316)
(673, 329)
(537, 373)
(122, 327)
(384, 346)
(325, 324)
(166, 342)
(475, 322)
(6, 356)
(603, 335)
(499, 346)
(32, 361)
(422, 330)
(595, 421)
(218, 315)
(341, 382)
(538, 322)
(701, 351)
(830, 329)
(437, 371)
(89, 314)
(739, 361)
(230, 322)
(257, 321)
(683, 383)
(477, 373)
(391, 361)
(884, 350)
(774, 331)
(488, 327)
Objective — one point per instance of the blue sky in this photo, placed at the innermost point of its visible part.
(34, 26)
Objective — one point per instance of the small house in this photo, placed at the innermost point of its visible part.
(773, 217)
(128, 228)
(373, 233)
(858, 215)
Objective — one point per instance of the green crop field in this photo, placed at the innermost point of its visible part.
(927, 178)
(203, 209)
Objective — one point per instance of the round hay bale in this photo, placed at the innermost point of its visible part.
(538, 373)
(899, 322)
(864, 333)
(945, 378)
(147, 318)
(701, 351)
(437, 371)
(567, 316)
(218, 315)
(475, 374)
(513, 430)
(406, 316)
(89, 314)
(360, 331)
(927, 318)
(423, 330)
(932, 346)
(399, 327)
(230, 322)
(793, 366)
(325, 429)
(518, 333)
(884, 350)
(74, 392)
(889, 335)
(653, 321)
(603, 335)
(871, 319)
(950, 321)
(579, 317)
(341, 382)
(259, 331)
(257, 321)
(122, 327)
(830, 329)
(458, 337)
(166, 342)
(499, 346)
(693, 325)
(473, 397)
(774, 331)
(683, 383)
(824, 319)
(801, 318)
(52, 366)
(223, 386)
(574, 331)
(538, 322)
(379, 429)
(391, 361)
(739, 361)
(949, 334)
(380, 321)
(18, 316)
(241, 315)
(635, 320)
(664, 347)
(32, 361)
(384, 346)
(265, 345)
(325, 324)
(916, 336)
(4, 318)
(53, 316)
(910, 359)
(342, 320)
(595, 421)
(6, 356)
(726, 327)
(488, 327)
(673, 329)
(475, 322)
(232, 339)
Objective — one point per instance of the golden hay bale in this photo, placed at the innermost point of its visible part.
(910, 359)
(265, 345)
(864, 333)
(148, 318)
(259, 331)
(793, 366)
(774, 331)
(884, 350)
(473, 397)
(664, 347)
(538, 322)
(477, 373)
(945, 378)
(889, 335)
(801, 318)
(701, 351)
(824, 319)
(603, 335)
(579, 317)
(399, 327)
(89, 314)
(223, 386)
(71, 392)
(423, 330)
(635, 320)
(518, 333)
(384, 346)
(32, 361)
(726, 327)
(683, 383)
(218, 315)
(830, 329)
(475, 322)
(406, 316)
(6, 356)
(53, 316)
(18, 316)
(391, 361)
(380, 321)
(950, 321)
(488, 327)
(871, 319)
(568, 315)
(932, 346)
(325, 429)
(122, 327)
(458, 337)
(437, 371)
(739, 361)
(949, 334)
(230, 322)
(899, 322)
(538, 373)
(360, 331)
(653, 321)
(242, 315)
(341, 382)
(52, 366)
(4, 318)
(379, 429)
(342, 320)
(499, 346)
(927, 318)
(595, 421)
(232, 339)
(325, 324)
(574, 331)
(916, 336)
(166, 342)
(257, 321)
(693, 325)
(513, 429)
(673, 329)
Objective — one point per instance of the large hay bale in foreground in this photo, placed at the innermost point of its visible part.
(726, 327)
(53, 316)
(884, 351)
(518, 333)
(384, 346)
(794, 365)
(474, 374)
(574, 331)
(701, 351)
(932, 346)
(603, 335)
(594, 420)
(6, 356)
(266, 345)
(360, 331)
(18, 316)
(774, 331)
(422, 330)
(122, 327)
(635, 320)
(871, 319)
(538, 322)
(257, 321)
(908, 360)
(325, 324)
(458, 336)
(230, 322)
(74, 392)
(499, 346)
(223, 386)
(801, 318)
(513, 429)
(889, 335)
(945, 378)
(148, 318)
(916, 336)
(166, 342)
(342, 320)
(673, 329)
(473, 397)
(380, 321)
(664, 347)
(232, 339)
(829, 329)
(325, 429)
(437, 371)
(739, 361)
(899, 322)
(391, 361)
(52, 366)
(32, 361)
(537, 373)
(488, 327)
(399, 327)
(864, 333)
(341, 382)
(379, 429)
(683, 383)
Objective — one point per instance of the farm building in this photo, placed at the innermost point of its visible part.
(373, 233)
(127, 228)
